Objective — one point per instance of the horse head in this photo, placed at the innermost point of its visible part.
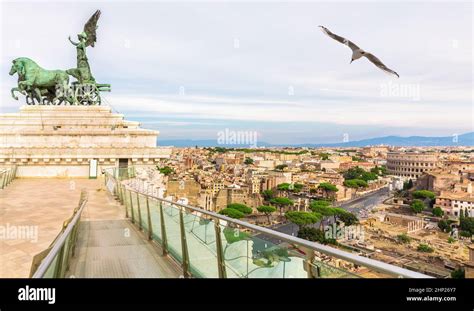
(18, 66)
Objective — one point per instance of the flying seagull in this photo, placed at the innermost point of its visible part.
(357, 52)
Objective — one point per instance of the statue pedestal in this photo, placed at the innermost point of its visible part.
(64, 141)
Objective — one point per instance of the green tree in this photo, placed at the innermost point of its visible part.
(248, 161)
(329, 190)
(359, 173)
(425, 248)
(283, 186)
(324, 156)
(408, 184)
(281, 203)
(302, 219)
(315, 235)
(290, 187)
(297, 187)
(444, 225)
(232, 213)
(423, 194)
(356, 184)
(437, 211)
(403, 238)
(353, 173)
(220, 149)
(323, 208)
(268, 194)
(379, 170)
(166, 170)
(281, 167)
(241, 208)
(467, 224)
(267, 210)
(458, 274)
(417, 206)
(346, 217)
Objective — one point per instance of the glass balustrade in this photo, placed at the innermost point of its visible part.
(209, 245)
(7, 175)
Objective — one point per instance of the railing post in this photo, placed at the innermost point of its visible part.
(139, 211)
(309, 264)
(59, 261)
(119, 191)
(4, 176)
(74, 239)
(184, 245)
(124, 198)
(10, 176)
(220, 251)
(164, 239)
(150, 228)
(131, 205)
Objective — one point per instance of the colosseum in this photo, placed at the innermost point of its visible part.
(410, 164)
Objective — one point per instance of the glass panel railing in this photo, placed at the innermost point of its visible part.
(201, 244)
(173, 231)
(156, 220)
(6, 176)
(54, 262)
(142, 201)
(127, 201)
(51, 271)
(248, 254)
(134, 207)
(211, 245)
(65, 257)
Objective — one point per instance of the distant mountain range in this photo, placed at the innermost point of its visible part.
(466, 139)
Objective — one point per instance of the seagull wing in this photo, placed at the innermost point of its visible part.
(377, 62)
(349, 43)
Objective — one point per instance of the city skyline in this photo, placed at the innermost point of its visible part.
(191, 70)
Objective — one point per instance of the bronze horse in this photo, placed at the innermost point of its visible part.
(36, 81)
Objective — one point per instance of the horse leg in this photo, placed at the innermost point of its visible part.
(13, 90)
(37, 95)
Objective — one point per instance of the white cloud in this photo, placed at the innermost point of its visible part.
(148, 50)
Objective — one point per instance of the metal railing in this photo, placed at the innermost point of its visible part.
(210, 245)
(6, 176)
(54, 261)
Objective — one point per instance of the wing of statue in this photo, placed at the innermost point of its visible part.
(90, 28)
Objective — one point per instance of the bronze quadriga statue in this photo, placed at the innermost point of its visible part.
(51, 87)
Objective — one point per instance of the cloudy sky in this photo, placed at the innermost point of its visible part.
(192, 69)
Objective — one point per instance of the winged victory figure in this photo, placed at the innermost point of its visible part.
(86, 38)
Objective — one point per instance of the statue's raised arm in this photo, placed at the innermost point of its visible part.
(73, 43)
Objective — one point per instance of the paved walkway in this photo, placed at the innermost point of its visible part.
(109, 246)
(32, 212)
